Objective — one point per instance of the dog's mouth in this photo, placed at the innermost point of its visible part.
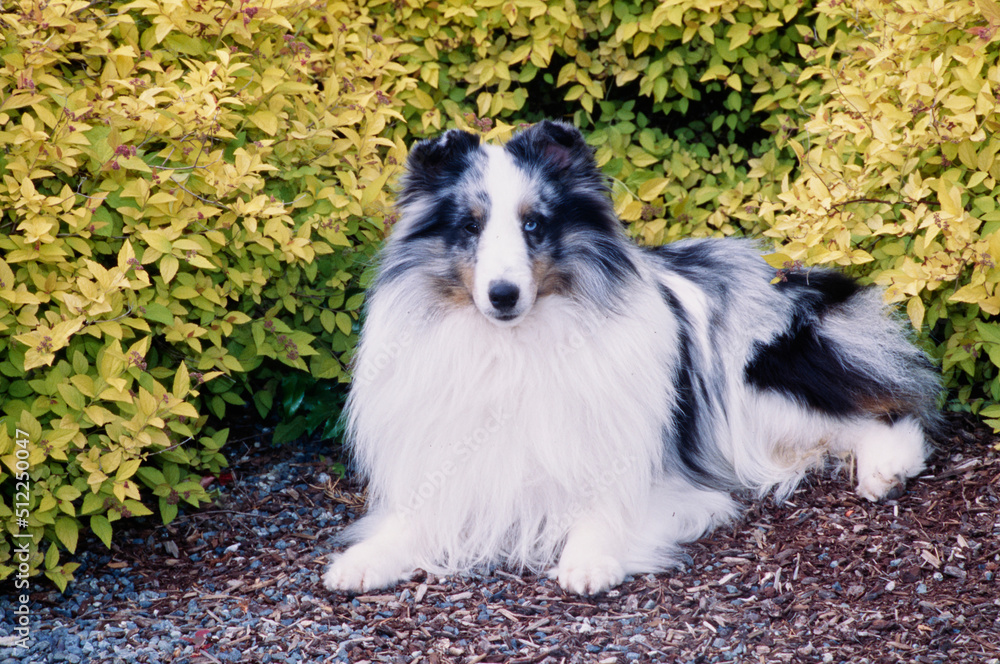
(505, 319)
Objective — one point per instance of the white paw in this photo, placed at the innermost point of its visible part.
(588, 575)
(887, 456)
(359, 571)
(876, 487)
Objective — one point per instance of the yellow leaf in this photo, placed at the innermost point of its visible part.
(993, 242)
(990, 10)
(98, 415)
(373, 189)
(147, 403)
(652, 188)
(738, 34)
(168, 267)
(972, 293)
(182, 381)
(157, 240)
(778, 260)
(950, 198)
(184, 409)
(640, 44)
(717, 71)
(915, 310)
(266, 120)
(127, 469)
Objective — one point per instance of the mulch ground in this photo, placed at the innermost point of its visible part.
(823, 577)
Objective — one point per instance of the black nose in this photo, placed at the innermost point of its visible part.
(503, 295)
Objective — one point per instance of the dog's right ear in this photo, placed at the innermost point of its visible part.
(434, 154)
(434, 163)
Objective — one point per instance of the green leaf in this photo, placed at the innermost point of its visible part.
(67, 530)
(71, 396)
(80, 363)
(989, 332)
(67, 492)
(92, 502)
(52, 556)
(101, 527)
(168, 512)
(158, 313)
(57, 577)
(287, 432)
(344, 322)
(264, 400)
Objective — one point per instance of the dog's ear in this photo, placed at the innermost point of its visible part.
(434, 162)
(556, 144)
(564, 145)
(437, 153)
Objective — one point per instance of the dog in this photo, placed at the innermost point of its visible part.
(532, 389)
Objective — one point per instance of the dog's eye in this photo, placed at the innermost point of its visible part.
(472, 228)
(530, 224)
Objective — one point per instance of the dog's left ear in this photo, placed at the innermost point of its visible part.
(557, 144)
(564, 143)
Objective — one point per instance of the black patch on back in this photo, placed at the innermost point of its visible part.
(806, 366)
(694, 260)
(820, 289)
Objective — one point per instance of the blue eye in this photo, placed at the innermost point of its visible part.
(530, 225)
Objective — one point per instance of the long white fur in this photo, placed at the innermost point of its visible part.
(539, 444)
(491, 461)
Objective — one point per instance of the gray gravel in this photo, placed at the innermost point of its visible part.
(125, 605)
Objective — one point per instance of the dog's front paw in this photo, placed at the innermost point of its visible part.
(359, 571)
(588, 575)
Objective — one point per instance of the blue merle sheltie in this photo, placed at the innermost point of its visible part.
(534, 390)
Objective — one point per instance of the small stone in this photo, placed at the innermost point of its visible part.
(955, 572)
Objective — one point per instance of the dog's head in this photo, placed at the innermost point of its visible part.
(500, 227)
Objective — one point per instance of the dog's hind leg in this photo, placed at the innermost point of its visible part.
(887, 454)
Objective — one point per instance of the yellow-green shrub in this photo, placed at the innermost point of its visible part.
(192, 191)
(691, 84)
(189, 194)
(898, 172)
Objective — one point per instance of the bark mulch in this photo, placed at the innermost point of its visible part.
(823, 577)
